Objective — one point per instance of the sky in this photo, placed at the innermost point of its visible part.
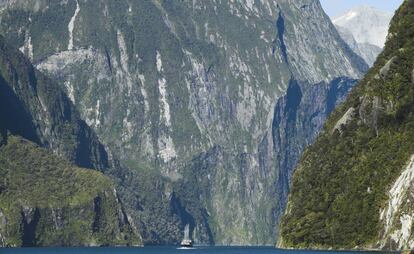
(338, 7)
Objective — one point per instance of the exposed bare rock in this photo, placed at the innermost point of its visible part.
(345, 119)
(384, 70)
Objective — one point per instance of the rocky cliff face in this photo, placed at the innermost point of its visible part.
(34, 107)
(44, 199)
(353, 187)
(185, 93)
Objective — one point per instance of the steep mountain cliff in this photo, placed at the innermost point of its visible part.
(34, 107)
(353, 187)
(44, 199)
(186, 93)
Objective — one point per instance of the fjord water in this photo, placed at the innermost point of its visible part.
(163, 250)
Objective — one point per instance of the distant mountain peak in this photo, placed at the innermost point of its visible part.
(358, 10)
(366, 23)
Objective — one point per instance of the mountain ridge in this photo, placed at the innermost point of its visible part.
(364, 28)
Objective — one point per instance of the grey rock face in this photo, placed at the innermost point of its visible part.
(386, 68)
(346, 118)
(185, 92)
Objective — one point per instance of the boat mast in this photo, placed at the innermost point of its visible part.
(187, 232)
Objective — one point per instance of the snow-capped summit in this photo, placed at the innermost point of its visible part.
(365, 29)
(367, 24)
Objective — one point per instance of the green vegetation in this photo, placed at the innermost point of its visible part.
(342, 181)
(48, 202)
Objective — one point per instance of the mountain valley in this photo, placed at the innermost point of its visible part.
(165, 114)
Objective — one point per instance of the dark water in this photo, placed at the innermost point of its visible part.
(163, 250)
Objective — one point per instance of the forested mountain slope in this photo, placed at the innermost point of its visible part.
(353, 187)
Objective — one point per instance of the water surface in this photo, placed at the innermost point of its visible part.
(164, 250)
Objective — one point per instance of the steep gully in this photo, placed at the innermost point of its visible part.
(299, 117)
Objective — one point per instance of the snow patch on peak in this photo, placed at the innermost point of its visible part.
(367, 24)
(71, 26)
(348, 16)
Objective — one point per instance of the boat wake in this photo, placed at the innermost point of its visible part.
(186, 248)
